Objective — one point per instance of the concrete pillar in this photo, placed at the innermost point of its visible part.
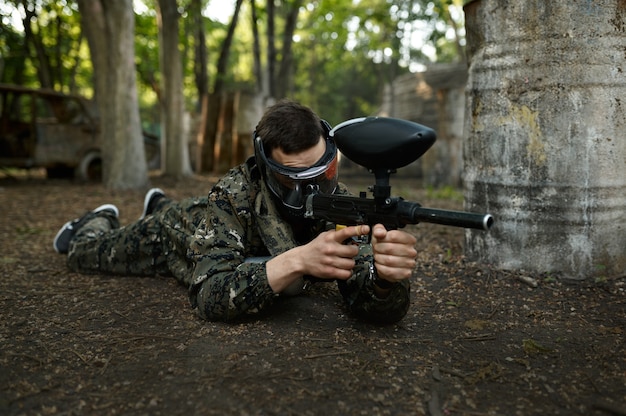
(545, 134)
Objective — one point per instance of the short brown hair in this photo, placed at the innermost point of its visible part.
(290, 126)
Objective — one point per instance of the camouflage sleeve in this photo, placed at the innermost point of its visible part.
(358, 291)
(224, 287)
(361, 299)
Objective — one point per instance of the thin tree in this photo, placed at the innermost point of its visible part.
(256, 47)
(174, 149)
(283, 82)
(200, 63)
(201, 78)
(279, 66)
(33, 38)
(271, 48)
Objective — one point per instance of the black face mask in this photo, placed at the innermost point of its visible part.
(304, 229)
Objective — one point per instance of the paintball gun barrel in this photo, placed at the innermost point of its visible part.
(392, 213)
(382, 145)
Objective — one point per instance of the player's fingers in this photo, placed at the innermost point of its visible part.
(352, 231)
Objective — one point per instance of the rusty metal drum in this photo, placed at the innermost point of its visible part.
(545, 135)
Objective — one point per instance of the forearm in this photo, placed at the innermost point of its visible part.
(226, 296)
(366, 299)
(365, 303)
(286, 270)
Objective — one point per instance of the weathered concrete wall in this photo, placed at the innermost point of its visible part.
(434, 98)
(545, 146)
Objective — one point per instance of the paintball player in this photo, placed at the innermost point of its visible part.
(248, 243)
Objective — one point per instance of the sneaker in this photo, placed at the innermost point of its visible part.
(150, 202)
(62, 240)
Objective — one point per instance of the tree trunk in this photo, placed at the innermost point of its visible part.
(283, 80)
(109, 28)
(227, 140)
(200, 63)
(256, 49)
(174, 149)
(201, 79)
(271, 50)
(214, 105)
(44, 69)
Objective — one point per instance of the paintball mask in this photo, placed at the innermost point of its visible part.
(292, 185)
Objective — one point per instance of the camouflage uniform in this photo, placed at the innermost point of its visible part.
(204, 243)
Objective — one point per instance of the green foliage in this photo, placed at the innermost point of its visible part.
(11, 52)
(52, 52)
(347, 51)
(344, 52)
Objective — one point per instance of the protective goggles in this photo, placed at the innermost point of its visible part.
(292, 185)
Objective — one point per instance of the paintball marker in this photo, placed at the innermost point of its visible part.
(383, 145)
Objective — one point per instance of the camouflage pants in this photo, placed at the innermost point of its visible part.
(155, 245)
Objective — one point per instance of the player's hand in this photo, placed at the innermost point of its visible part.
(327, 257)
(394, 253)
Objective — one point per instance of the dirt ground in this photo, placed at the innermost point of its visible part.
(476, 341)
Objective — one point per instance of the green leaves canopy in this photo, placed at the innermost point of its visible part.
(343, 52)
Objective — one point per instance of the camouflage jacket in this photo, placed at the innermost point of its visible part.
(242, 222)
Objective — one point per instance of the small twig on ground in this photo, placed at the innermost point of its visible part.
(106, 364)
(31, 357)
(468, 412)
(527, 280)
(495, 310)
(452, 372)
(479, 337)
(610, 406)
(83, 359)
(328, 354)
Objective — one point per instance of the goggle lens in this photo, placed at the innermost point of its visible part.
(292, 185)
